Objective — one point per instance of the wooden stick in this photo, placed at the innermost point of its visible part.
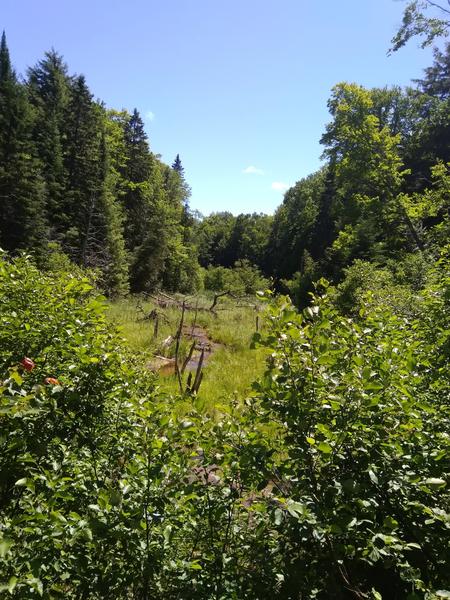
(188, 358)
(198, 374)
(177, 349)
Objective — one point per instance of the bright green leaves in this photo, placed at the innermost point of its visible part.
(361, 436)
(324, 448)
(5, 545)
(10, 586)
(339, 459)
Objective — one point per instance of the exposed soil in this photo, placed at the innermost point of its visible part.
(166, 366)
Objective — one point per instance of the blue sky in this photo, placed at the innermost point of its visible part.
(238, 88)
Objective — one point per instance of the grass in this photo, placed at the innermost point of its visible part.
(232, 367)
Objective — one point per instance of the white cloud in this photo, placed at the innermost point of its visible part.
(149, 115)
(251, 170)
(280, 186)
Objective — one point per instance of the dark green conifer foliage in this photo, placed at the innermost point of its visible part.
(136, 172)
(145, 211)
(48, 85)
(137, 168)
(22, 193)
(104, 243)
(433, 134)
(5, 62)
(84, 178)
(177, 166)
(181, 192)
(437, 77)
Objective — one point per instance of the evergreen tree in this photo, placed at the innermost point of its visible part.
(177, 166)
(22, 194)
(137, 168)
(84, 174)
(103, 245)
(6, 72)
(48, 86)
(136, 172)
(144, 200)
(437, 77)
(180, 192)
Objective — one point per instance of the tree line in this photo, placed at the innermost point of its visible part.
(330, 479)
(380, 196)
(79, 180)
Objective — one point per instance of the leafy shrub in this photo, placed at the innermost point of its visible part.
(243, 278)
(68, 429)
(368, 284)
(331, 482)
(106, 489)
(363, 460)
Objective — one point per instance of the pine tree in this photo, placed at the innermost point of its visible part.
(152, 247)
(48, 87)
(5, 62)
(136, 173)
(103, 245)
(177, 166)
(179, 194)
(137, 168)
(22, 193)
(82, 167)
(147, 214)
(437, 77)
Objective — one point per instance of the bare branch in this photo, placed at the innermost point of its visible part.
(446, 10)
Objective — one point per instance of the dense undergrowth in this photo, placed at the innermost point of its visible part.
(329, 480)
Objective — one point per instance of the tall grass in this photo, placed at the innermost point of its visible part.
(232, 367)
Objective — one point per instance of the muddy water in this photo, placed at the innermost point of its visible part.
(166, 366)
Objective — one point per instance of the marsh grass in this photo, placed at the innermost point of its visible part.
(231, 369)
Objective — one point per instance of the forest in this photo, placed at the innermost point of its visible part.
(313, 461)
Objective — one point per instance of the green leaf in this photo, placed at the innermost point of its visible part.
(373, 477)
(325, 448)
(12, 584)
(17, 377)
(296, 509)
(5, 545)
(167, 533)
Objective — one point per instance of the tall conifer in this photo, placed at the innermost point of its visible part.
(22, 194)
(48, 93)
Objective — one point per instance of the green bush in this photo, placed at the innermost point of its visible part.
(70, 503)
(243, 278)
(364, 458)
(330, 482)
(107, 489)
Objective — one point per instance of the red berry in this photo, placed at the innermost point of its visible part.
(27, 364)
